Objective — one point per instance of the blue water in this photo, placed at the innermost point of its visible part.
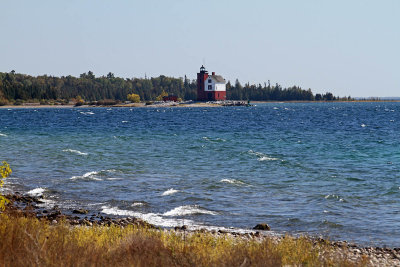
(319, 168)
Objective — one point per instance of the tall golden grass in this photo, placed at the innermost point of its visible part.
(27, 241)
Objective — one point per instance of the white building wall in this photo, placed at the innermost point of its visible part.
(214, 86)
(220, 87)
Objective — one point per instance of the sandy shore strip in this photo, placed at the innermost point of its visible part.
(159, 104)
(132, 105)
(25, 204)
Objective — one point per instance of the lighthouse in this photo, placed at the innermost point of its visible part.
(210, 87)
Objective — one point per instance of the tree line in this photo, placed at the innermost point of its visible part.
(22, 87)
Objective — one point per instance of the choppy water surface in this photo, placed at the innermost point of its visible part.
(320, 168)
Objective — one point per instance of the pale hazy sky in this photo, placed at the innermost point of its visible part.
(346, 47)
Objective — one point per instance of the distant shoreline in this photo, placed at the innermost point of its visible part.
(174, 104)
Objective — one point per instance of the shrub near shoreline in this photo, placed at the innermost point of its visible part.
(5, 171)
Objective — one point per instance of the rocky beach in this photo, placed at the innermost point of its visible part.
(26, 205)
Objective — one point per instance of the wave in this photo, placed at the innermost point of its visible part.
(267, 158)
(47, 203)
(213, 139)
(261, 156)
(170, 191)
(231, 181)
(152, 218)
(87, 176)
(188, 210)
(137, 204)
(76, 152)
(4, 135)
(37, 192)
(124, 121)
(334, 197)
(93, 175)
(331, 224)
(87, 113)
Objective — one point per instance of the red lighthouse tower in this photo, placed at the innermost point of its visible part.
(201, 78)
(210, 87)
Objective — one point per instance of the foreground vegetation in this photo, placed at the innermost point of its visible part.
(5, 171)
(26, 241)
(16, 88)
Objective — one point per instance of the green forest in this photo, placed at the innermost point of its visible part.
(19, 88)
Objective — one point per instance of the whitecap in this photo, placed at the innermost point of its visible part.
(231, 181)
(152, 218)
(275, 108)
(87, 176)
(4, 135)
(124, 121)
(363, 125)
(137, 204)
(37, 192)
(261, 156)
(265, 158)
(87, 113)
(214, 140)
(188, 210)
(170, 191)
(76, 152)
(95, 175)
(333, 196)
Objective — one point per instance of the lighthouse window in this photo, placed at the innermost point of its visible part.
(209, 81)
(209, 87)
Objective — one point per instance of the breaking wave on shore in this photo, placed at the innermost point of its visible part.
(37, 192)
(189, 210)
(152, 218)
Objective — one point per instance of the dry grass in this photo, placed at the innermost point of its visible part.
(26, 241)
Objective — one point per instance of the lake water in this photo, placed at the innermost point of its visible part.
(317, 168)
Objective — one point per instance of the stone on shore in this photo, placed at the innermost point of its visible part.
(80, 211)
(262, 226)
